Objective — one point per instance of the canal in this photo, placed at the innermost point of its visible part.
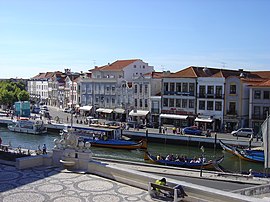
(32, 142)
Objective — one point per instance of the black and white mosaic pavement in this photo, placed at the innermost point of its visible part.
(56, 185)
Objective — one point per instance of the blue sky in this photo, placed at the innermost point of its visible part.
(49, 35)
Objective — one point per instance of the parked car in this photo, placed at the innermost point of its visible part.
(243, 132)
(191, 131)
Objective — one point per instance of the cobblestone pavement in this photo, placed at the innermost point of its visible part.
(53, 184)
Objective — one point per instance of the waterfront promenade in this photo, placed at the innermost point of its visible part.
(53, 184)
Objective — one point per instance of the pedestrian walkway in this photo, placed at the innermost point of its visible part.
(53, 184)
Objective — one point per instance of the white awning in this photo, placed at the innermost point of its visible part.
(107, 111)
(173, 116)
(85, 108)
(204, 120)
(104, 110)
(119, 110)
(100, 110)
(138, 113)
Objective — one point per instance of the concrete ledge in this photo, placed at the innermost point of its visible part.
(33, 161)
(141, 180)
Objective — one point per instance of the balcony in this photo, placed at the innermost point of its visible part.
(214, 96)
(178, 93)
(258, 116)
(232, 112)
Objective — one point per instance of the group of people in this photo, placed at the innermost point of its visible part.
(181, 158)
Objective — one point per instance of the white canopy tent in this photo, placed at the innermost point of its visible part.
(138, 113)
(119, 110)
(85, 108)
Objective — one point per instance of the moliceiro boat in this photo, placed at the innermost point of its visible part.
(185, 163)
(24, 125)
(245, 154)
(105, 137)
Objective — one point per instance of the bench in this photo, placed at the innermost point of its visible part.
(168, 189)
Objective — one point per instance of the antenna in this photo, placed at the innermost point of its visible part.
(223, 64)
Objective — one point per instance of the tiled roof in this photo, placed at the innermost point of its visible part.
(195, 72)
(155, 75)
(115, 66)
(43, 75)
(263, 74)
(261, 83)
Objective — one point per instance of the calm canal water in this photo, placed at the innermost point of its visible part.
(230, 162)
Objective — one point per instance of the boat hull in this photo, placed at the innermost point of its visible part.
(243, 154)
(26, 130)
(118, 144)
(206, 165)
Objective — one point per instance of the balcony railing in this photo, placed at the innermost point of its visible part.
(231, 112)
(258, 116)
(178, 93)
(216, 96)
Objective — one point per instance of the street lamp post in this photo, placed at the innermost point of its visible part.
(202, 157)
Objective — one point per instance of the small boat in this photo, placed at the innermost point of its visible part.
(185, 164)
(24, 125)
(245, 154)
(106, 137)
(117, 144)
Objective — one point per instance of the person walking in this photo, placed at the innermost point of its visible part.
(44, 149)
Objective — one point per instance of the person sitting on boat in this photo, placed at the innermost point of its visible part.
(158, 157)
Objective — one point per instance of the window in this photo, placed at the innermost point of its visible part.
(191, 104)
(257, 110)
(113, 88)
(210, 90)
(191, 88)
(265, 112)
(218, 91)
(266, 94)
(201, 105)
(218, 106)
(146, 88)
(140, 102)
(232, 107)
(141, 86)
(136, 88)
(171, 103)
(178, 87)
(210, 105)
(134, 66)
(257, 94)
(145, 102)
(172, 87)
(185, 87)
(165, 102)
(178, 103)
(201, 91)
(113, 100)
(135, 102)
(184, 103)
(232, 89)
(166, 88)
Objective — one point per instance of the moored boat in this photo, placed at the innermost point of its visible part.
(187, 163)
(24, 125)
(106, 137)
(245, 154)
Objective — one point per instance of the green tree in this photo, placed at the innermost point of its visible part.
(23, 96)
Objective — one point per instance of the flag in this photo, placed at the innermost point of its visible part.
(266, 142)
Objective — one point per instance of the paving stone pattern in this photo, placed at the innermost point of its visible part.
(53, 184)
